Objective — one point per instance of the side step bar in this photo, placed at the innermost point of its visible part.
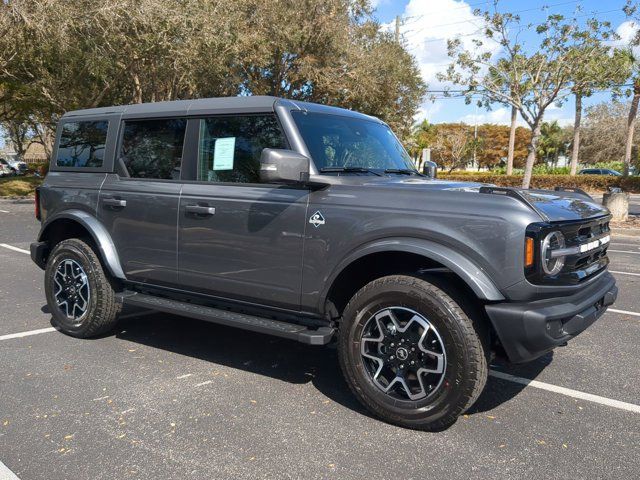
(300, 333)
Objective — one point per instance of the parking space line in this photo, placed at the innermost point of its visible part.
(630, 407)
(625, 312)
(623, 251)
(5, 211)
(625, 273)
(16, 249)
(27, 333)
(6, 474)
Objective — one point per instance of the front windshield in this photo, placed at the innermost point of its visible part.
(336, 141)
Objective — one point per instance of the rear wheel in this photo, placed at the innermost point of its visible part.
(410, 354)
(80, 296)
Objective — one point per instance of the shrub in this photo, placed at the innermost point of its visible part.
(43, 169)
(590, 183)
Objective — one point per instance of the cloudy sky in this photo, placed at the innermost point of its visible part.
(427, 24)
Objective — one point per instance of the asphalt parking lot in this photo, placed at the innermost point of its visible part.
(168, 397)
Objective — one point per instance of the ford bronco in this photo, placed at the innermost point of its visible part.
(311, 223)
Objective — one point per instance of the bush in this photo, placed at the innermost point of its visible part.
(590, 183)
(43, 169)
(549, 170)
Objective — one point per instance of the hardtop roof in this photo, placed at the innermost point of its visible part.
(209, 106)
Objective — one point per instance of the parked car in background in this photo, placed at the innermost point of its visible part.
(600, 171)
(16, 165)
(8, 168)
(5, 170)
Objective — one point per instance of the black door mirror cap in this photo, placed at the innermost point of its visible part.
(283, 166)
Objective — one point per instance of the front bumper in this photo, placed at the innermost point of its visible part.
(39, 251)
(528, 330)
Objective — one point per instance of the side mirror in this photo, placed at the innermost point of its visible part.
(430, 169)
(283, 166)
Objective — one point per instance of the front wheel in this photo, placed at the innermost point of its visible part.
(80, 296)
(410, 354)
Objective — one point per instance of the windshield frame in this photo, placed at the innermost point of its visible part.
(350, 116)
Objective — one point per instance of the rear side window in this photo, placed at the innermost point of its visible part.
(153, 148)
(82, 144)
(229, 148)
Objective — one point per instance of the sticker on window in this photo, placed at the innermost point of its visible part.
(223, 153)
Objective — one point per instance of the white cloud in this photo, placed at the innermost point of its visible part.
(627, 32)
(426, 28)
(500, 115)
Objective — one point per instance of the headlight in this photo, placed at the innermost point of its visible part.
(552, 264)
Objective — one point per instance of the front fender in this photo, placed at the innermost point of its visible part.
(100, 235)
(476, 278)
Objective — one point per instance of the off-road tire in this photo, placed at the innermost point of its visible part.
(466, 363)
(102, 313)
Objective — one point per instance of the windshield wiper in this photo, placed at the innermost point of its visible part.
(402, 171)
(348, 170)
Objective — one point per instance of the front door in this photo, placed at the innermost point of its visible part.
(239, 239)
(139, 205)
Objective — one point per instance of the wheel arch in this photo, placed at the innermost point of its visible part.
(401, 255)
(74, 223)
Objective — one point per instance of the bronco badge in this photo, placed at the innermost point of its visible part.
(316, 219)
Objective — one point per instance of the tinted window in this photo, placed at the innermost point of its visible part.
(82, 144)
(153, 148)
(341, 141)
(230, 147)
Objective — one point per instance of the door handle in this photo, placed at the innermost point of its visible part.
(114, 202)
(200, 210)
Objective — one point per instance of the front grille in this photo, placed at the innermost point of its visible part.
(582, 265)
(584, 250)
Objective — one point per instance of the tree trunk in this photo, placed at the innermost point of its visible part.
(576, 134)
(512, 140)
(531, 157)
(631, 125)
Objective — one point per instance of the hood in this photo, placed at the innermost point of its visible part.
(551, 206)
(558, 206)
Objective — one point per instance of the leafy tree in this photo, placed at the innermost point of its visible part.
(19, 134)
(631, 10)
(494, 145)
(423, 136)
(605, 132)
(59, 55)
(553, 142)
(530, 82)
(453, 145)
(597, 67)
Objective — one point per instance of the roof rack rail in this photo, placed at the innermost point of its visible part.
(574, 190)
(513, 193)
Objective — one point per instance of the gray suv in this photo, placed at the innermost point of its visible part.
(311, 223)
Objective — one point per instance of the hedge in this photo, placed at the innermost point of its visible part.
(589, 183)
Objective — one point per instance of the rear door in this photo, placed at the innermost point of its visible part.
(139, 204)
(237, 238)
